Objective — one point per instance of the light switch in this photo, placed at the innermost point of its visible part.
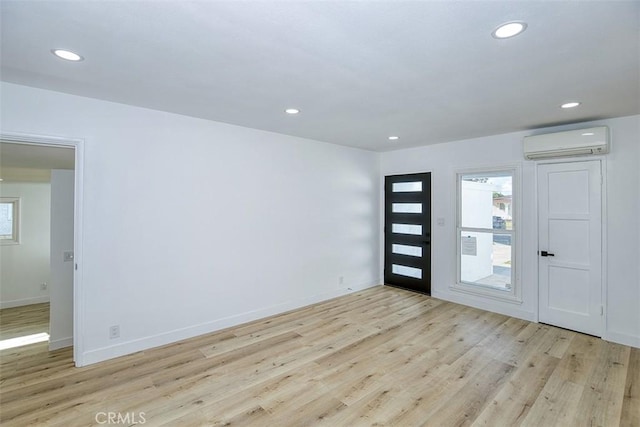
(68, 256)
(440, 222)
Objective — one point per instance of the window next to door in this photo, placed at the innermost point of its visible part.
(487, 231)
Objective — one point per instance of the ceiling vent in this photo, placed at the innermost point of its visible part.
(581, 142)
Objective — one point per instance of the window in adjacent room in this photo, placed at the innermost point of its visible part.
(9, 220)
(486, 232)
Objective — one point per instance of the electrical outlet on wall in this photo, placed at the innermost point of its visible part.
(114, 331)
(43, 286)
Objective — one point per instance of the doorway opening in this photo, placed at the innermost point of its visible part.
(39, 293)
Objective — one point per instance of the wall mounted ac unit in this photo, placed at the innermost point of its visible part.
(570, 143)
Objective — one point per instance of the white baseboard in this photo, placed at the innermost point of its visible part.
(625, 339)
(489, 305)
(619, 338)
(121, 349)
(24, 301)
(61, 343)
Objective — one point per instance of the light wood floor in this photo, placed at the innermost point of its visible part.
(26, 320)
(383, 356)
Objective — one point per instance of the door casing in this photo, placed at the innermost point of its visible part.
(78, 300)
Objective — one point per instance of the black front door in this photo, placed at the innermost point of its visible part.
(407, 231)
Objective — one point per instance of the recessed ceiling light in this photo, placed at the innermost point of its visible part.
(393, 138)
(292, 111)
(588, 134)
(509, 29)
(67, 54)
(572, 104)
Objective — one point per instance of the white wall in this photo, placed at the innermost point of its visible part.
(61, 282)
(623, 197)
(192, 225)
(25, 267)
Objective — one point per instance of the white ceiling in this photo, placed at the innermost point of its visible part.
(32, 163)
(29, 156)
(359, 71)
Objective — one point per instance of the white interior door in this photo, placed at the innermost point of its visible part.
(61, 259)
(570, 245)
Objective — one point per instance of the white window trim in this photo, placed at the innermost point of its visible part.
(514, 295)
(16, 221)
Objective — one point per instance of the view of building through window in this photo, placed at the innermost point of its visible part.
(486, 229)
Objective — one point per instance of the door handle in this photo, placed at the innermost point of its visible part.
(545, 253)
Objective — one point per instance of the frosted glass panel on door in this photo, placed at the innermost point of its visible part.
(406, 187)
(406, 250)
(413, 229)
(406, 207)
(403, 270)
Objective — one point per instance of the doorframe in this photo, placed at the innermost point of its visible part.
(78, 301)
(603, 229)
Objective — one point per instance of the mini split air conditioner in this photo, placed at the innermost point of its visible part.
(570, 143)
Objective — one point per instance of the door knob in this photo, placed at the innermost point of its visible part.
(545, 253)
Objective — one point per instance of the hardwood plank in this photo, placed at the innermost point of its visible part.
(512, 403)
(580, 360)
(374, 409)
(470, 399)
(556, 404)
(601, 401)
(630, 415)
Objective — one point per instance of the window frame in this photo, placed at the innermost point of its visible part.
(15, 240)
(514, 294)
